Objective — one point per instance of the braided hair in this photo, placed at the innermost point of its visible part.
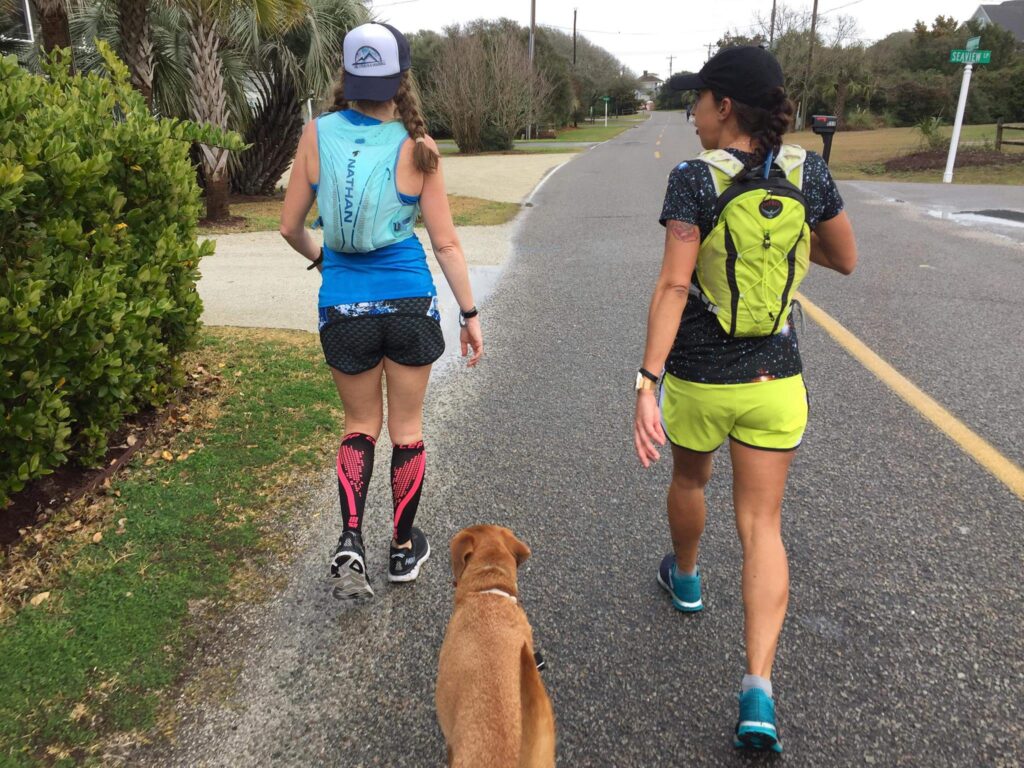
(407, 109)
(766, 127)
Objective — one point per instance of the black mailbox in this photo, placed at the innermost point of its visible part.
(825, 126)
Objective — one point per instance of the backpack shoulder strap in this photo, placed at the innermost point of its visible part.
(791, 160)
(724, 167)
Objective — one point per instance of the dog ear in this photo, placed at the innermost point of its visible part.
(518, 549)
(461, 548)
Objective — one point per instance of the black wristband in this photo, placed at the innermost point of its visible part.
(318, 262)
(471, 313)
(648, 375)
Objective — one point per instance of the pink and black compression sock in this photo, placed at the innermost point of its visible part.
(408, 463)
(355, 464)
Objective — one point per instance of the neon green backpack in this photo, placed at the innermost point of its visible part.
(753, 260)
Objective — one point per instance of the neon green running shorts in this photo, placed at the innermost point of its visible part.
(771, 415)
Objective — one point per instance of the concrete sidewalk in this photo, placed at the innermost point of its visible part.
(256, 280)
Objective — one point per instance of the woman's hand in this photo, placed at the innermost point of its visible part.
(647, 427)
(472, 338)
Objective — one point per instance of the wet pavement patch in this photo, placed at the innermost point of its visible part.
(1017, 216)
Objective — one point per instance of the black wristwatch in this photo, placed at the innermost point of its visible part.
(464, 316)
(318, 262)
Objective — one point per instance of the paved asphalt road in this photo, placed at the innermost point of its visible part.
(903, 644)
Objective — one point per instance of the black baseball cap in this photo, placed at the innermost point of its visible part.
(748, 73)
(375, 57)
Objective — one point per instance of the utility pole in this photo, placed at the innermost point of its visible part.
(670, 60)
(771, 30)
(533, 27)
(574, 37)
(709, 49)
(533, 32)
(810, 58)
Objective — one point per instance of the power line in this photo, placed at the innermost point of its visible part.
(597, 31)
(840, 7)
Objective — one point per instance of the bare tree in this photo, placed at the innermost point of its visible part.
(483, 88)
(458, 92)
(519, 91)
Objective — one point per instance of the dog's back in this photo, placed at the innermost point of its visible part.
(491, 703)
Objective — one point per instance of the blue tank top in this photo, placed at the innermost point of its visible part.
(395, 271)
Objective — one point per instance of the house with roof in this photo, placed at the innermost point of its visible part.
(648, 85)
(1009, 14)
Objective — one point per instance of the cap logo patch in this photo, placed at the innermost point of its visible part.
(770, 208)
(367, 56)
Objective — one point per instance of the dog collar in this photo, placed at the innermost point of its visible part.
(498, 592)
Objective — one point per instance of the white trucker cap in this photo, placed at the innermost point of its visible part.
(375, 56)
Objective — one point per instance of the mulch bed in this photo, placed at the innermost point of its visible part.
(43, 497)
(935, 159)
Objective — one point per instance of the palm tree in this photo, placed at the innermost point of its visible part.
(209, 60)
(53, 23)
(206, 21)
(284, 71)
(137, 44)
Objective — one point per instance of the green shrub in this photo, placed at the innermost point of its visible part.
(98, 212)
(862, 119)
(930, 129)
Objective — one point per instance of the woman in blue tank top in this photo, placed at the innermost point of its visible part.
(372, 169)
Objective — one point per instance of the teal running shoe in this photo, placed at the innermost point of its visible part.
(756, 727)
(685, 590)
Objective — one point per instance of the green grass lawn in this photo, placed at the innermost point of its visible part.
(861, 154)
(535, 149)
(265, 215)
(597, 130)
(96, 658)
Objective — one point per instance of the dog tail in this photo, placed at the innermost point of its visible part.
(538, 727)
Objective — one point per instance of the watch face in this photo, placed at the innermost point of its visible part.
(639, 381)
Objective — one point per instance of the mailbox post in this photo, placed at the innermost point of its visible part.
(825, 126)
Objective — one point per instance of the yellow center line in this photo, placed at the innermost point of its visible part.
(657, 155)
(1004, 469)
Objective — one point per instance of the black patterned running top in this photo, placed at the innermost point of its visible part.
(702, 351)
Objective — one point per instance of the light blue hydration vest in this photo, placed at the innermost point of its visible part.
(359, 202)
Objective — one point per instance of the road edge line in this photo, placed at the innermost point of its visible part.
(984, 453)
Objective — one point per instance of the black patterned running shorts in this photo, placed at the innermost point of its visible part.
(356, 337)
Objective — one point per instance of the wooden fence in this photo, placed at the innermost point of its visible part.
(1000, 127)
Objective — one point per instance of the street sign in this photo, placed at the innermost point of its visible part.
(973, 44)
(606, 99)
(970, 57)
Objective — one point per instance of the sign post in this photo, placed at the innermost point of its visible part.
(969, 57)
(606, 100)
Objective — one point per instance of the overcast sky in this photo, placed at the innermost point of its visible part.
(653, 30)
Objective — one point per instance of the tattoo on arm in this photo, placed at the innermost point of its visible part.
(683, 232)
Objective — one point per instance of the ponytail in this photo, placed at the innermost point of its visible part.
(765, 126)
(407, 108)
(407, 104)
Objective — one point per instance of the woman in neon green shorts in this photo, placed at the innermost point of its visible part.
(717, 385)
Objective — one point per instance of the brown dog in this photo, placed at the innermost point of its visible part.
(491, 703)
